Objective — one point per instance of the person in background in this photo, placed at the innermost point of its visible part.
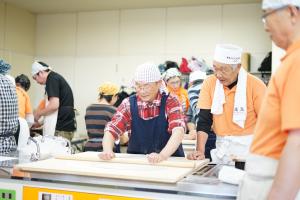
(58, 108)
(196, 79)
(99, 114)
(9, 124)
(229, 101)
(273, 167)
(171, 64)
(123, 94)
(190, 123)
(154, 120)
(25, 110)
(4, 70)
(173, 82)
(172, 78)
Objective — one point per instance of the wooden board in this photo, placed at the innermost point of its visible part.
(130, 158)
(128, 171)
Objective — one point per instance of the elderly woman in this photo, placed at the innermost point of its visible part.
(98, 114)
(173, 81)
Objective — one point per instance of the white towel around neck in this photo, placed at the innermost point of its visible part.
(240, 99)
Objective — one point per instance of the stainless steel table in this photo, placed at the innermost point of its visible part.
(200, 185)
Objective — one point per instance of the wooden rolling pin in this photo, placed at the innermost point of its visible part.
(134, 159)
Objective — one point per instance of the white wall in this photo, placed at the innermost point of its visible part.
(88, 48)
(17, 38)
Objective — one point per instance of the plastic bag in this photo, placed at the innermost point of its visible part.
(42, 147)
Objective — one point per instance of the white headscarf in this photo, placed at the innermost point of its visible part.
(170, 73)
(147, 73)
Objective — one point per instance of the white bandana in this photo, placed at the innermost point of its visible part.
(170, 73)
(147, 73)
(37, 67)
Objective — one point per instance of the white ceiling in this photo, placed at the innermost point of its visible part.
(59, 6)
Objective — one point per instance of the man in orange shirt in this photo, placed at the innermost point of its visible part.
(229, 102)
(273, 167)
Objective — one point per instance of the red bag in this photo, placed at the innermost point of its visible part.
(184, 66)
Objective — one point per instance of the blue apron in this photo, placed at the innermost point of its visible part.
(148, 136)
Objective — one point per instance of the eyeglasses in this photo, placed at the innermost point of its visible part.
(265, 15)
(222, 70)
(145, 87)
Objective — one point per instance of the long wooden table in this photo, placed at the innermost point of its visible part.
(124, 166)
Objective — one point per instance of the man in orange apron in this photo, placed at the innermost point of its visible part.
(273, 167)
(229, 102)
